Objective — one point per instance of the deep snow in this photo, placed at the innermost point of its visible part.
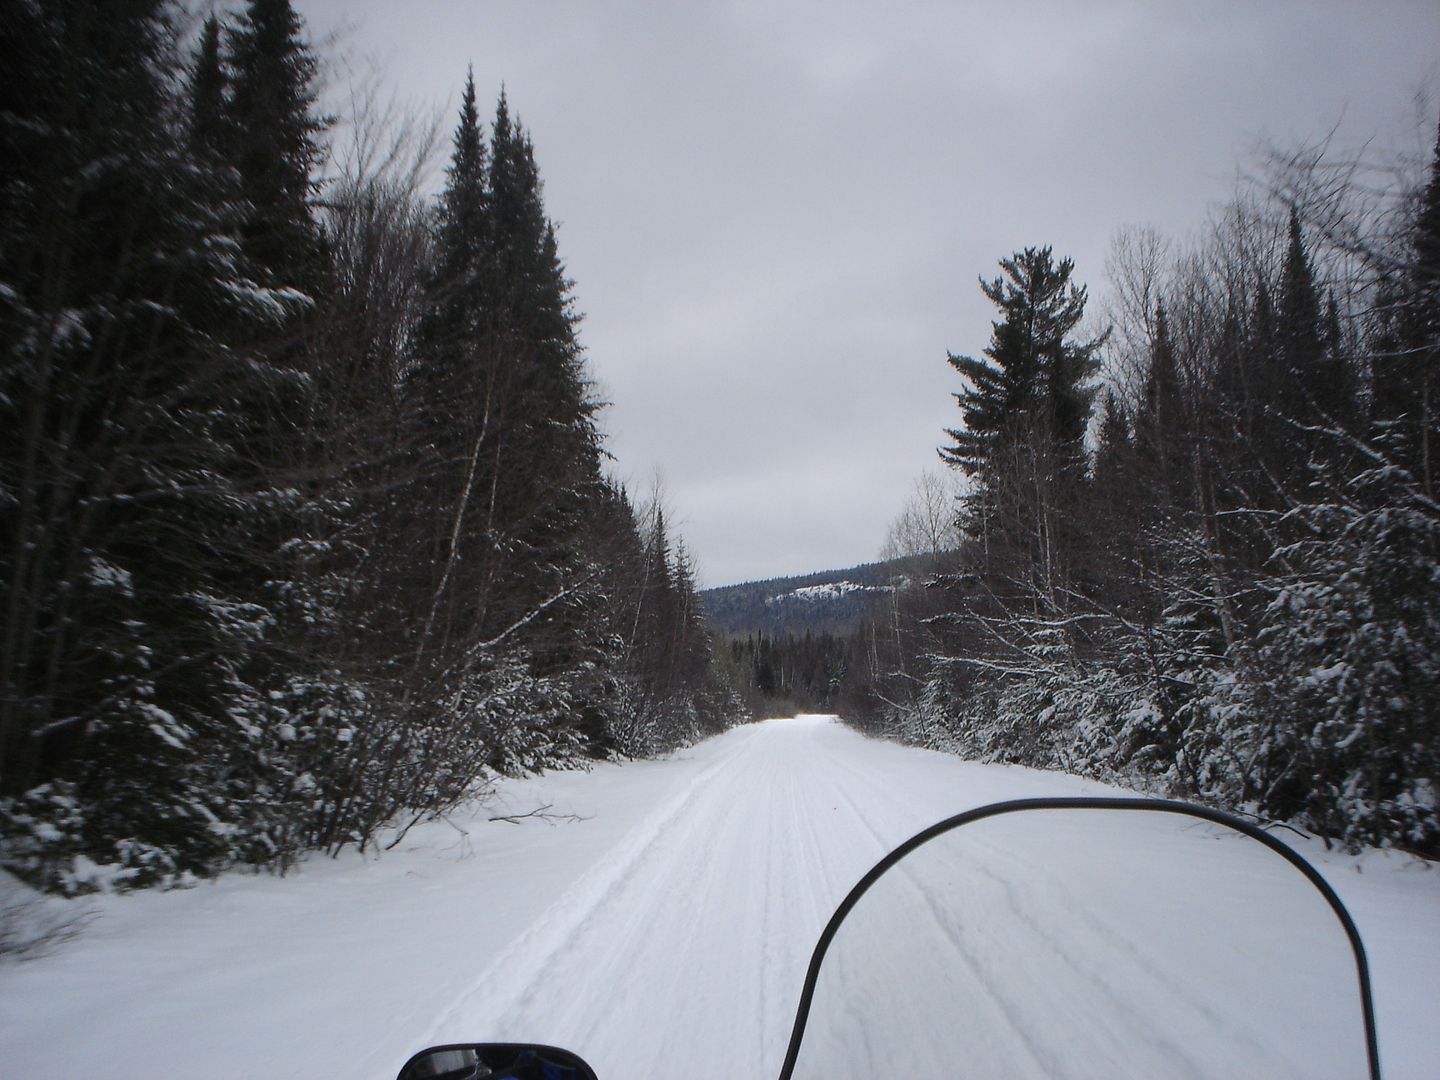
(667, 931)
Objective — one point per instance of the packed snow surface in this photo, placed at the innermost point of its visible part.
(665, 932)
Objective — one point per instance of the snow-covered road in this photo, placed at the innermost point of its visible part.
(664, 933)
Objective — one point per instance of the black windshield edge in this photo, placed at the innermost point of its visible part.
(1084, 802)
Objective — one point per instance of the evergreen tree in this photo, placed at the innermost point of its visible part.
(462, 238)
(1227, 380)
(1245, 609)
(277, 142)
(693, 651)
(1114, 460)
(223, 639)
(507, 459)
(1032, 378)
(1319, 387)
(1025, 410)
(1253, 443)
(1299, 317)
(1162, 428)
(207, 120)
(125, 669)
(1120, 503)
(546, 465)
(452, 398)
(1405, 409)
(661, 608)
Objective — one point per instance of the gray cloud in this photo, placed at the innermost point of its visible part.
(775, 212)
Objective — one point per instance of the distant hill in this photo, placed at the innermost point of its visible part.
(832, 601)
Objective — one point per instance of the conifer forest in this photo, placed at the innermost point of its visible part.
(1232, 593)
(305, 526)
(309, 531)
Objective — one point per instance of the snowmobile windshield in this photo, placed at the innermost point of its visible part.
(1181, 947)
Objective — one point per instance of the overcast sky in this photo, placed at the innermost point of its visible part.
(775, 212)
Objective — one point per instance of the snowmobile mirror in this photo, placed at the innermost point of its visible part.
(496, 1061)
(1084, 938)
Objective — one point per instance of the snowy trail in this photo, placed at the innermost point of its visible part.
(668, 932)
(714, 891)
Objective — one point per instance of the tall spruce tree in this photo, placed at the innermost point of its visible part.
(549, 455)
(276, 141)
(451, 395)
(208, 121)
(693, 650)
(1405, 410)
(463, 235)
(1299, 315)
(661, 607)
(1319, 386)
(1162, 428)
(507, 460)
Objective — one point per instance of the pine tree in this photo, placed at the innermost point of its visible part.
(1162, 428)
(207, 119)
(464, 233)
(549, 455)
(222, 637)
(505, 454)
(1405, 409)
(277, 143)
(1227, 379)
(1114, 461)
(1025, 412)
(659, 615)
(124, 670)
(1120, 504)
(1319, 388)
(1032, 379)
(693, 651)
(452, 398)
(1299, 318)
(1253, 447)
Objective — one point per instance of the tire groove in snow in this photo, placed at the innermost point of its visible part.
(522, 964)
(705, 915)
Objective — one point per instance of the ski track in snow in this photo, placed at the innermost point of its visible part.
(672, 921)
(668, 933)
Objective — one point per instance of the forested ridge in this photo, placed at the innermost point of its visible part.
(1232, 592)
(788, 645)
(305, 530)
(831, 600)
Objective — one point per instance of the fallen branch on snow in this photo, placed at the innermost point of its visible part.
(541, 812)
